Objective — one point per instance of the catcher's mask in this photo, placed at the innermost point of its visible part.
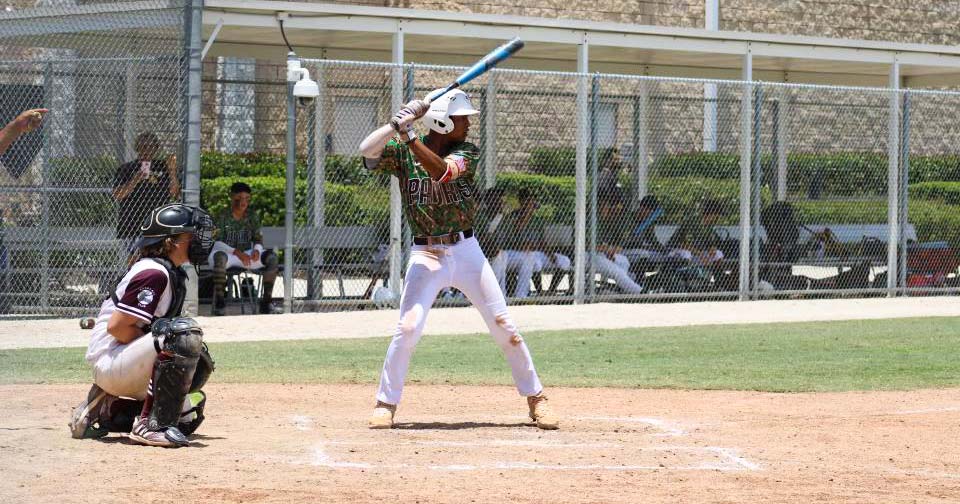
(176, 218)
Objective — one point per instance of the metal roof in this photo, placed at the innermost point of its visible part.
(250, 29)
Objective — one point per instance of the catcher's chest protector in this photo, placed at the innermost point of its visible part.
(178, 281)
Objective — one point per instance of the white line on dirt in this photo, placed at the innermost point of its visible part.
(737, 463)
(302, 422)
(653, 422)
(947, 409)
(726, 452)
(490, 443)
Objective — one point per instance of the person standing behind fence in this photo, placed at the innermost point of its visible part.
(142, 185)
(240, 245)
(436, 174)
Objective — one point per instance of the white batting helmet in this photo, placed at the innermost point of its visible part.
(452, 103)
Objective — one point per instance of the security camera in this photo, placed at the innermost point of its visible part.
(305, 89)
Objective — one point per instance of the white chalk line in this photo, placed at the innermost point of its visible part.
(736, 463)
(653, 422)
(481, 444)
(946, 409)
(302, 422)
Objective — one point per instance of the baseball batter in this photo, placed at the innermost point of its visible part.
(149, 363)
(436, 181)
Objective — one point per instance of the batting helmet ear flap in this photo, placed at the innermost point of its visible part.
(452, 103)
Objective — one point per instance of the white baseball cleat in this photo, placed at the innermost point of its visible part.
(382, 417)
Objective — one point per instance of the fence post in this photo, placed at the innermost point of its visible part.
(583, 136)
(289, 193)
(782, 139)
(318, 182)
(893, 176)
(490, 132)
(129, 111)
(594, 99)
(756, 194)
(641, 161)
(45, 198)
(396, 101)
(191, 175)
(410, 94)
(746, 139)
(904, 190)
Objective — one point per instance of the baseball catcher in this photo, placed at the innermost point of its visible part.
(149, 363)
(436, 181)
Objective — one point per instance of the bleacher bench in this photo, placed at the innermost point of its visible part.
(334, 238)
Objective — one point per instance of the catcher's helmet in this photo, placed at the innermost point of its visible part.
(176, 218)
(452, 103)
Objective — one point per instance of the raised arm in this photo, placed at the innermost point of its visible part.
(27, 121)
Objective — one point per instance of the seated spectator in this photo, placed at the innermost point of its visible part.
(521, 247)
(609, 260)
(696, 240)
(641, 242)
(490, 214)
(240, 244)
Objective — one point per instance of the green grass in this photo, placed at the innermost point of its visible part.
(896, 354)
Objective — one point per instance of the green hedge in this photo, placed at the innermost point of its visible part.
(842, 174)
(338, 169)
(345, 205)
(947, 192)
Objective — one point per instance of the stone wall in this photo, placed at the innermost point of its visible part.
(920, 21)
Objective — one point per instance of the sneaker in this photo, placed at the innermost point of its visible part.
(166, 437)
(85, 423)
(382, 417)
(541, 413)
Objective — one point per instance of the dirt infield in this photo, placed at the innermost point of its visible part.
(308, 443)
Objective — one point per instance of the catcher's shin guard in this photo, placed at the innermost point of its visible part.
(182, 345)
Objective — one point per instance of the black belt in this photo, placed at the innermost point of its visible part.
(446, 239)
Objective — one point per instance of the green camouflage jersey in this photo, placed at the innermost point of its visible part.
(241, 234)
(434, 207)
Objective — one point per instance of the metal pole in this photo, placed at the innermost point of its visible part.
(396, 101)
(594, 98)
(130, 111)
(191, 176)
(904, 190)
(893, 176)
(782, 137)
(409, 93)
(490, 131)
(746, 137)
(319, 181)
(45, 199)
(289, 202)
(756, 197)
(641, 158)
(583, 137)
(711, 21)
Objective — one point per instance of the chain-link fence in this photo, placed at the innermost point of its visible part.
(589, 187)
(74, 191)
(672, 173)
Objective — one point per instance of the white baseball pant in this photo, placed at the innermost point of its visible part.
(525, 263)
(463, 267)
(618, 269)
(125, 370)
(232, 260)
